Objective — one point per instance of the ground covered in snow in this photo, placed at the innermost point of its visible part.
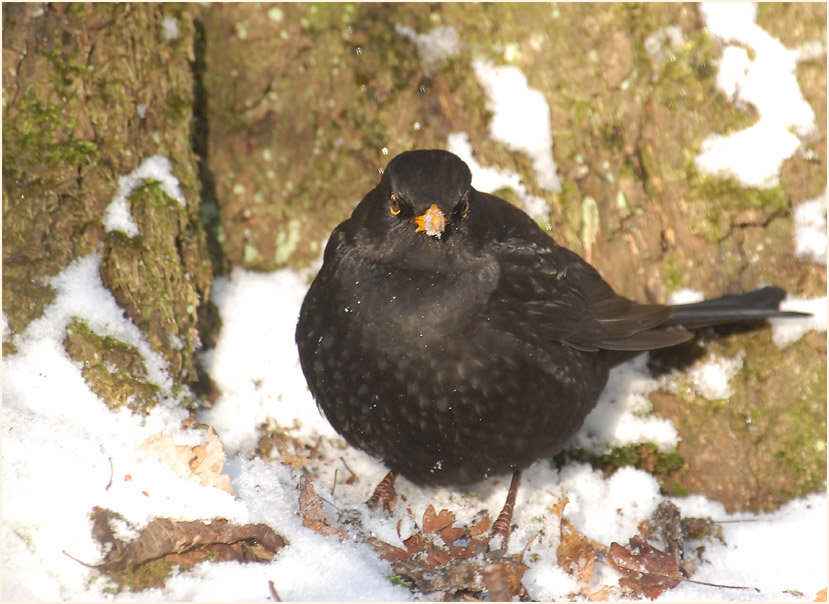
(65, 452)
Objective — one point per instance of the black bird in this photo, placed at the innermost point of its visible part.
(449, 336)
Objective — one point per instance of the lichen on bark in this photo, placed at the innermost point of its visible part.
(89, 92)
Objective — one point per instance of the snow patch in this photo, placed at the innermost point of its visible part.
(117, 216)
(768, 83)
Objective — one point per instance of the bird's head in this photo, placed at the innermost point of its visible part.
(424, 193)
(421, 213)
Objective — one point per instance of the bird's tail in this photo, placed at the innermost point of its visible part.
(755, 305)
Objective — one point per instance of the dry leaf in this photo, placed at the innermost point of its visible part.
(454, 569)
(480, 527)
(575, 552)
(434, 523)
(450, 534)
(386, 551)
(313, 512)
(600, 595)
(199, 463)
(821, 595)
(466, 575)
(647, 571)
(558, 506)
(182, 542)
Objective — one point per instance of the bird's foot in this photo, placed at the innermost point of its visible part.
(500, 532)
(384, 495)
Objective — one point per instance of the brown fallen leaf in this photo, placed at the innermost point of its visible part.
(441, 524)
(558, 506)
(667, 526)
(387, 552)
(481, 526)
(199, 463)
(450, 534)
(457, 569)
(434, 523)
(459, 576)
(502, 578)
(312, 510)
(181, 542)
(647, 571)
(575, 553)
(666, 522)
(600, 595)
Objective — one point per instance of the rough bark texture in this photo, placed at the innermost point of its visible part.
(74, 77)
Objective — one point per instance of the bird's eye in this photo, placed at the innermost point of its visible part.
(462, 209)
(394, 205)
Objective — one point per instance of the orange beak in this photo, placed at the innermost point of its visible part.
(433, 221)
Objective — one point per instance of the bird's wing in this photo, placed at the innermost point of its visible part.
(548, 292)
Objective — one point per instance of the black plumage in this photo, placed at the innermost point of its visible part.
(449, 336)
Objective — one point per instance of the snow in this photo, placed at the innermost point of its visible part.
(711, 378)
(520, 118)
(255, 386)
(786, 331)
(774, 549)
(662, 39)
(169, 28)
(622, 415)
(489, 179)
(64, 451)
(686, 295)
(768, 83)
(49, 409)
(810, 229)
(434, 47)
(117, 216)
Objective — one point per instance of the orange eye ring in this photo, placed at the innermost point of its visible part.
(463, 208)
(394, 206)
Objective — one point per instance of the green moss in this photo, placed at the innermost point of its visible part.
(157, 277)
(42, 135)
(674, 488)
(287, 241)
(25, 531)
(567, 207)
(645, 456)
(800, 444)
(70, 130)
(793, 22)
(674, 273)
(115, 371)
(714, 202)
(403, 582)
(145, 576)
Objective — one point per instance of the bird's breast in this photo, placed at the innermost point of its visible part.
(390, 306)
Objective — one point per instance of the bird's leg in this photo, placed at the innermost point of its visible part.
(503, 526)
(384, 494)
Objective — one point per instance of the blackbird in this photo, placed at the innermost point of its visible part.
(449, 336)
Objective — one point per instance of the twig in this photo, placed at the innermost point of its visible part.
(275, 595)
(111, 474)
(71, 557)
(723, 586)
(353, 473)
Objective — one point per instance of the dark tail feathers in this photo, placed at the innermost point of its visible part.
(752, 306)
